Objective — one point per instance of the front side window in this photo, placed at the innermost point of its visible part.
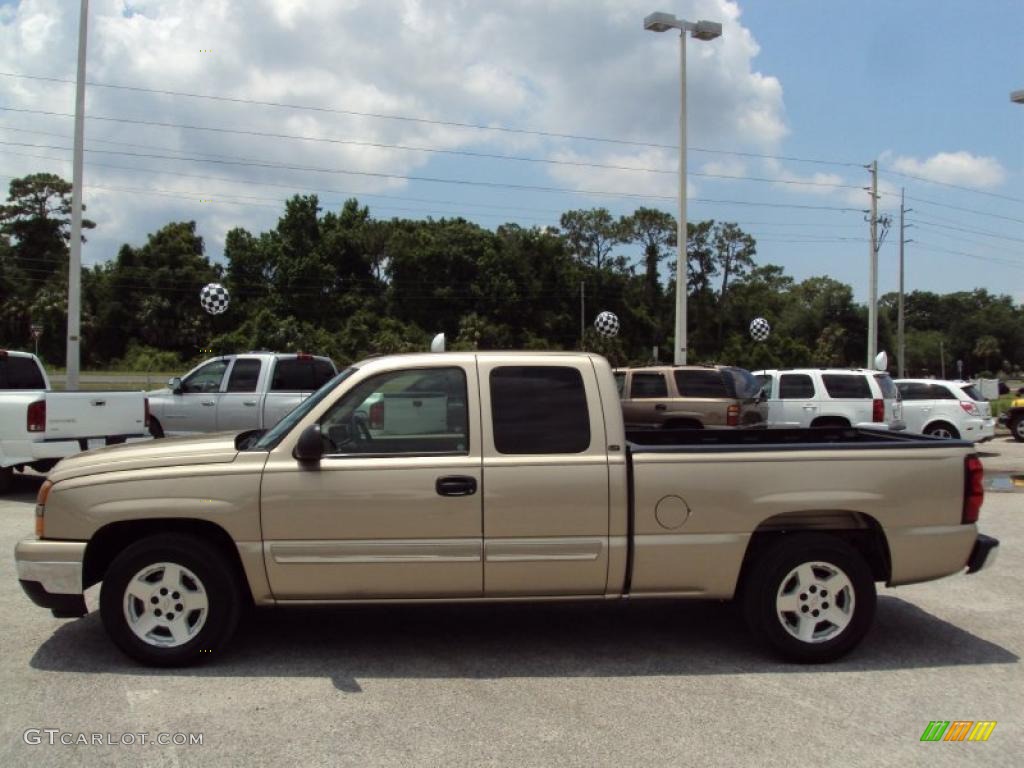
(841, 386)
(244, 375)
(410, 412)
(796, 386)
(700, 384)
(539, 410)
(647, 385)
(206, 379)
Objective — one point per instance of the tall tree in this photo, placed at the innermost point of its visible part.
(734, 252)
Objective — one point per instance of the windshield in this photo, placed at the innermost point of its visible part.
(270, 440)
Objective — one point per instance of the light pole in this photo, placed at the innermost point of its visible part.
(75, 250)
(701, 30)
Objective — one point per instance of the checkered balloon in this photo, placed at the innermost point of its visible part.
(214, 298)
(607, 324)
(759, 329)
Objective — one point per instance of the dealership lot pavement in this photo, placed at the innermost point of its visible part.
(574, 684)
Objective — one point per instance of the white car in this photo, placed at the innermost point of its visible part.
(830, 397)
(953, 409)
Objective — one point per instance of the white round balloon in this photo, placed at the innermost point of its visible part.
(215, 298)
(607, 324)
(759, 329)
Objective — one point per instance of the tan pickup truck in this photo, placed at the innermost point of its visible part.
(526, 489)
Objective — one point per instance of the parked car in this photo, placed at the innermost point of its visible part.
(1013, 417)
(952, 409)
(689, 397)
(39, 427)
(534, 493)
(236, 392)
(831, 397)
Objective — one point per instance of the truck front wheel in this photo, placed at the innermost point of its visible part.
(1017, 428)
(811, 597)
(170, 600)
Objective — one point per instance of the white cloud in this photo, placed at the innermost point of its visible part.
(960, 167)
(580, 67)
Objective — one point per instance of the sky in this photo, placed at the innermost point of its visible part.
(518, 110)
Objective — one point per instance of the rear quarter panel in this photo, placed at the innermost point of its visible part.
(695, 512)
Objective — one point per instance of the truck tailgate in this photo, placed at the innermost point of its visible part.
(94, 414)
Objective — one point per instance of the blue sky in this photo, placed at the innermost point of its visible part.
(921, 86)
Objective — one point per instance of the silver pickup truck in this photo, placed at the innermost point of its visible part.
(527, 490)
(236, 392)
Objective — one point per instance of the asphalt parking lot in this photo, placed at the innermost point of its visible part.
(642, 683)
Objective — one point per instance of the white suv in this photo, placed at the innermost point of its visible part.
(952, 409)
(831, 397)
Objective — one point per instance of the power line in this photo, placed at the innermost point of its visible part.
(953, 186)
(428, 121)
(406, 148)
(965, 210)
(466, 182)
(930, 223)
(1005, 262)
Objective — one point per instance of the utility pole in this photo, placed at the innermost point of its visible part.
(583, 322)
(873, 276)
(901, 337)
(75, 256)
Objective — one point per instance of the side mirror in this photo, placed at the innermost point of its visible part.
(310, 447)
(175, 384)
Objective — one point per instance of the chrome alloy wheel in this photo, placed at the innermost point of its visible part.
(942, 432)
(165, 605)
(815, 602)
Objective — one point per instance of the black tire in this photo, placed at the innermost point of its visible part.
(155, 429)
(6, 478)
(682, 424)
(204, 566)
(771, 579)
(1017, 428)
(942, 429)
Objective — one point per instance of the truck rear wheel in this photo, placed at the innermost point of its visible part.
(155, 429)
(6, 478)
(1017, 428)
(811, 597)
(170, 600)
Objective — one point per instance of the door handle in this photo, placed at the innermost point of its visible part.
(455, 485)
(208, 403)
(661, 407)
(250, 403)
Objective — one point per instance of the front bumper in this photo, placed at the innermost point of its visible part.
(50, 572)
(984, 553)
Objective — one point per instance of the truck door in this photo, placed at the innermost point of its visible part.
(238, 407)
(646, 401)
(381, 516)
(545, 471)
(797, 403)
(195, 408)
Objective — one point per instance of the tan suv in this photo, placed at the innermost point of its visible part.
(690, 397)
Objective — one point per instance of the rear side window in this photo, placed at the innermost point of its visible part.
(20, 373)
(939, 392)
(973, 393)
(539, 410)
(700, 384)
(299, 375)
(887, 385)
(244, 376)
(795, 386)
(912, 390)
(648, 385)
(841, 386)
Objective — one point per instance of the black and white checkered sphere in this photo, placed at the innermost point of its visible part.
(607, 324)
(214, 298)
(759, 329)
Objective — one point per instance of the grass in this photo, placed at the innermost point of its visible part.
(124, 381)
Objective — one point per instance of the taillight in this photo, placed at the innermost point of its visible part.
(974, 491)
(377, 416)
(36, 417)
(732, 415)
(41, 497)
(878, 410)
(969, 407)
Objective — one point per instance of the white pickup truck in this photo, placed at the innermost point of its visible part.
(39, 427)
(236, 392)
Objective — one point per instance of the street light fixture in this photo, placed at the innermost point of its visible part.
(701, 30)
(1017, 97)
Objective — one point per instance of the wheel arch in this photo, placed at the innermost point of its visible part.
(861, 531)
(830, 420)
(113, 538)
